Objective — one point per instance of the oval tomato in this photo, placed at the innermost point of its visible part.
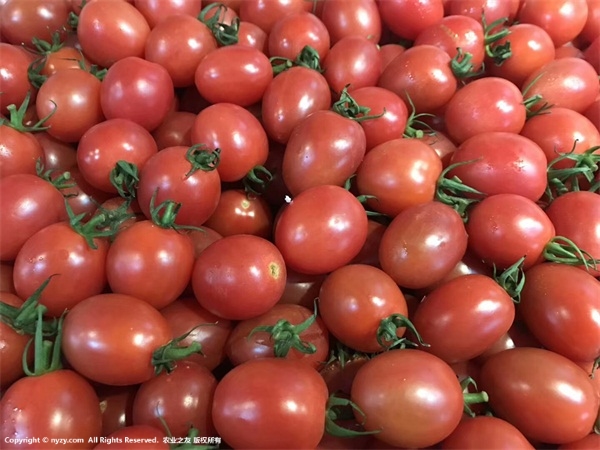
(407, 19)
(486, 432)
(293, 32)
(351, 18)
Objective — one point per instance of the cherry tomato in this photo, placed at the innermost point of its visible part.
(116, 404)
(12, 345)
(265, 13)
(485, 432)
(155, 11)
(493, 9)
(58, 155)
(19, 152)
(23, 20)
(407, 19)
(351, 18)
(592, 440)
(292, 33)
(175, 130)
(14, 63)
(301, 289)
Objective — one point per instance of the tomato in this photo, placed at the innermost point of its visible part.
(15, 83)
(116, 404)
(82, 197)
(501, 163)
(6, 278)
(503, 228)
(74, 96)
(142, 437)
(22, 20)
(239, 277)
(19, 152)
(182, 399)
(111, 31)
(351, 18)
(369, 253)
(442, 145)
(407, 19)
(265, 13)
(155, 11)
(292, 33)
(322, 229)
(28, 204)
(255, 405)
(244, 344)
(562, 19)
(291, 97)
(30, 408)
(110, 338)
(301, 289)
(591, 29)
(411, 396)
(252, 35)
(240, 136)
(354, 299)
(463, 317)
(531, 47)
(591, 54)
(485, 432)
(178, 43)
(545, 395)
(398, 173)
(486, 104)
(211, 332)
(175, 130)
(58, 155)
(592, 113)
(66, 57)
(12, 345)
(493, 9)
(236, 74)
(557, 321)
(325, 148)
(421, 75)
(590, 441)
(202, 237)
(422, 244)
(567, 82)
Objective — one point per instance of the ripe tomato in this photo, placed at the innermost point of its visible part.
(407, 18)
(175, 130)
(422, 245)
(19, 152)
(293, 32)
(156, 11)
(12, 345)
(14, 63)
(255, 405)
(354, 299)
(485, 432)
(592, 440)
(322, 229)
(412, 397)
(105, 334)
(116, 403)
(545, 395)
(493, 9)
(23, 20)
(58, 155)
(239, 277)
(265, 13)
(351, 18)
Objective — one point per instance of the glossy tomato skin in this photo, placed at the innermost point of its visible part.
(592, 440)
(265, 13)
(292, 33)
(291, 97)
(255, 405)
(24, 20)
(503, 228)
(398, 173)
(239, 277)
(407, 19)
(390, 390)
(30, 406)
(116, 403)
(557, 321)
(242, 346)
(19, 152)
(236, 74)
(324, 149)
(463, 317)
(107, 333)
(322, 229)
(28, 204)
(486, 432)
(422, 244)
(354, 299)
(351, 18)
(182, 398)
(301, 289)
(156, 11)
(13, 76)
(545, 395)
(12, 345)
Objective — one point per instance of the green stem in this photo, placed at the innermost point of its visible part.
(387, 333)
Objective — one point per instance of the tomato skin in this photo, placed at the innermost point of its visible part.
(545, 395)
(399, 173)
(19, 152)
(112, 332)
(15, 83)
(175, 130)
(389, 390)
(239, 277)
(116, 403)
(58, 155)
(554, 318)
(323, 149)
(182, 398)
(22, 20)
(407, 19)
(12, 345)
(252, 405)
(28, 204)
(503, 228)
(486, 432)
(322, 229)
(235, 74)
(301, 289)
(351, 18)
(494, 9)
(111, 31)
(422, 245)
(29, 408)
(590, 441)
(292, 33)
(354, 299)
(291, 97)
(266, 13)
(463, 317)
(155, 11)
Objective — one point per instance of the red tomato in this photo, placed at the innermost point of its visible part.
(591, 30)
(55, 405)
(58, 155)
(19, 152)
(156, 11)
(486, 432)
(407, 18)
(14, 63)
(175, 130)
(236, 74)
(23, 20)
(590, 441)
(66, 57)
(293, 32)
(265, 13)
(351, 18)
(493, 9)
(322, 229)
(239, 277)
(255, 405)
(111, 338)
(12, 344)
(301, 289)
(422, 245)
(111, 31)
(116, 403)
(545, 395)
(399, 173)
(412, 397)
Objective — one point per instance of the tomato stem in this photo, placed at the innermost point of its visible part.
(347, 107)
(93, 229)
(201, 158)
(498, 52)
(450, 191)
(564, 251)
(308, 58)
(586, 166)
(125, 178)
(47, 353)
(257, 180)
(387, 333)
(165, 357)
(17, 116)
(224, 34)
(462, 67)
(415, 119)
(339, 409)
(512, 280)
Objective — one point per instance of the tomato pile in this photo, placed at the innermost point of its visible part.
(267, 224)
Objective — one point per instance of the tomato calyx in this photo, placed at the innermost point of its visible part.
(586, 166)
(125, 178)
(497, 52)
(257, 180)
(531, 103)
(339, 408)
(60, 182)
(462, 67)
(512, 279)
(387, 333)
(225, 34)
(349, 108)
(166, 357)
(47, 352)
(563, 250)
(17, 117)
(201, 158)
(43, 48)
(308, 58)
(413, 120)
(451, 191)
(472, 398)
(286, 336)
(91, 230)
